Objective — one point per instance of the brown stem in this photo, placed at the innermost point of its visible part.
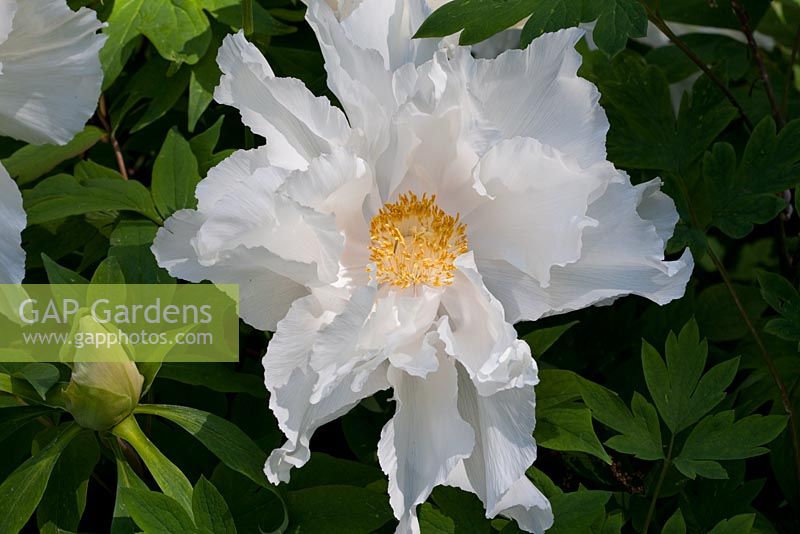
(773, 369)
(744, 21)
(102, 114)
(659, 22)
(790, 76)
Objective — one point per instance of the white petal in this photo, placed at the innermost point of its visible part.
(476, 333)
(265, 295)
(50, 73)
(290, 381)
(373, 327)
(538, 208)
(622, 256)
(358, 77)
(389, 27)
(234, 169)
(7, 10)
(12, 222)
(537, 93)
(252, 214)
(298, 125)
(423, 441)
(523, 502)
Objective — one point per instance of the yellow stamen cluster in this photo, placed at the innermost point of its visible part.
(415, 242)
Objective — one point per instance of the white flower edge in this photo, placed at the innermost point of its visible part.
(12, 222)
(50, 72)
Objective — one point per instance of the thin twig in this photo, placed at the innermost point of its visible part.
(657, 491)
(659, 22)
(744, 21)
(771, 367)
(790, 75)
(102, 114)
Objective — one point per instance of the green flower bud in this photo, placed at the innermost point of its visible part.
(105, 385)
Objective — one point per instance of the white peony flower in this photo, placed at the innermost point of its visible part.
(395, 244)
(50, 74)
(12, 222)
(50, 79)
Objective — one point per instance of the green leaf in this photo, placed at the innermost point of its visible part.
(719, 317)
(64, 501)
(718, 437)
(675, 524)
(122, 522)
(569, 429)
(480, 19)
(21, 492)
(175, 176)
(640, 432)
(680, 394)
(223, 438)
(550, 16)
(15, 417)
(577, 511)
(784, 299)
(204, 79)
(62, 196)
(617, 21)
(337, 510)
(130, 248)
(41, 376)
(740, 524)
(216, 377)
(56, 274)
(739, 201)
(645, 134)
(432, 521)
(168, 477)
(557, 387)
(464, 508)
(178, 29)
(229, 12)
(156, 513)
(31, 161)
(211, 512)
(541, 340)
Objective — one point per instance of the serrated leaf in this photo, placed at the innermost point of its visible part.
(479, 19)
(569, 429)
(784, 298)
(680, 392)
(550, 16)
(617, 21)
(175, 176)
(718, 437)
(639, 429)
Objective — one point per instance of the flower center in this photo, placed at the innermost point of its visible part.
(414, 241)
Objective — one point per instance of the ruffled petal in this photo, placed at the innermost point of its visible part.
(424, 440)
(537, 93)
(12, 222)
(538, 209)
(622, 256)
(265, 295)
(290, 381)
(298, 126)
(476, 333)
(50, 73)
